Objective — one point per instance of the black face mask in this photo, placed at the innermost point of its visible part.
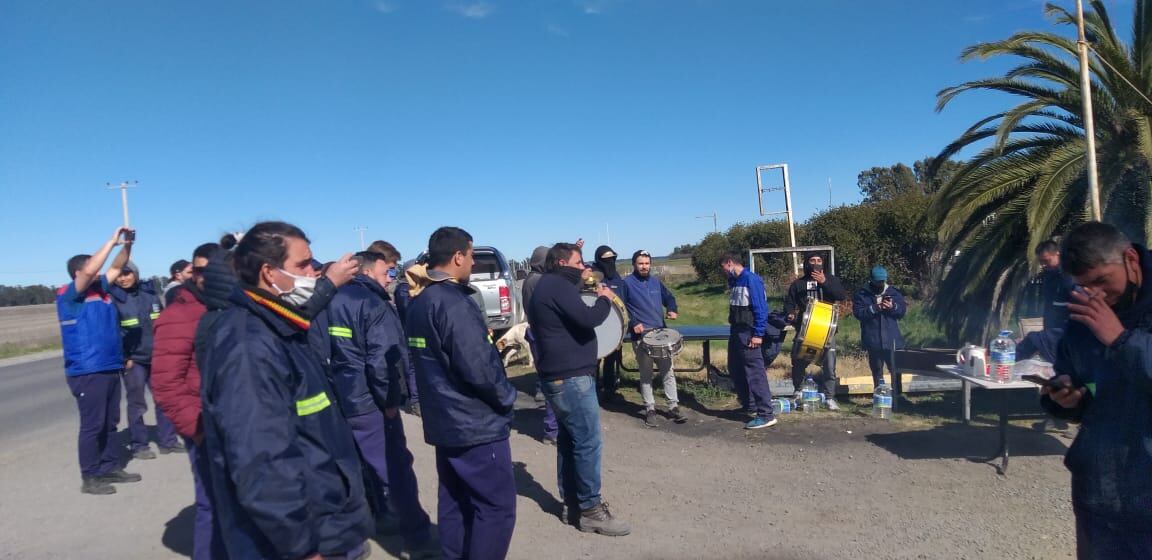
(1128, 298)
(817, 268)
(571, 274)
(877, 288)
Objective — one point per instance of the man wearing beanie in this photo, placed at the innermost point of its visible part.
(878, 307)
(605, 267)
(818, 286)
(138, 306)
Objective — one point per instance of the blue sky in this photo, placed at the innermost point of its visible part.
(525, 122)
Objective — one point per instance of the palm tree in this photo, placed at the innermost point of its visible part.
(1027, 183)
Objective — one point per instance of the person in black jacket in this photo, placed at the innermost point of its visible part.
(285, 473)
(564, 327)
(138, 306)
(879, 308)
(605, 266)
(466, 401)
(535, 271)
(819, 286)
(368, 358)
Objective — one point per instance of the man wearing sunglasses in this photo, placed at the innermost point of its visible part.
(368, 362)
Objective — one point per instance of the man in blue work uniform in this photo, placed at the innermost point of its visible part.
(93, 359)
(879, 307)
(466, 401)
(647, 300)
(138, 306)
(748, 316)
(368, 359)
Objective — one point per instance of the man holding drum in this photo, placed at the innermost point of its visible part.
(815, 285)
(564, 327)
(646, 301)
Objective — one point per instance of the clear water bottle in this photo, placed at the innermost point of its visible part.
(882, 402)
(781, 406)
(809, 396)
(1003, 357)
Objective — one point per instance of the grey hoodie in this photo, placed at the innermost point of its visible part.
(535, 270)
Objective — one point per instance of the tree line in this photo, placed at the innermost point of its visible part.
(11, 296)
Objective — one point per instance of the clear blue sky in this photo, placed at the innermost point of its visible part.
(525, 122)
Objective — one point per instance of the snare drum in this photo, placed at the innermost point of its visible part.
(817, 331)
(662, 343)
(610, 333)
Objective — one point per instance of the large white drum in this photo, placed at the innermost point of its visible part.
(610, 333)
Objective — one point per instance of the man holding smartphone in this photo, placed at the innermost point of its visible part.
(1104, 374)
(879, 307)
(93, 360)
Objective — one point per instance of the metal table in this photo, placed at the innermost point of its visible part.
(967, 383)
(695, 333)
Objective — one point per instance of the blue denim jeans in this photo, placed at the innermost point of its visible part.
(579, 444)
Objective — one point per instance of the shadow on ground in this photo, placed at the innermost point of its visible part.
(529, 487)
(178, 531)
(973, 442)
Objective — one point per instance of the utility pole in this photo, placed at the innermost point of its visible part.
(715, 227)
(829, 193)
(1089, 123)
(123, 186)
(361, 229)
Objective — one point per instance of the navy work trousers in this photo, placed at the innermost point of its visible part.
(746, 366)
(98, 399)
(137, 379)
(206, 542)
(477, 506)
(384, 448)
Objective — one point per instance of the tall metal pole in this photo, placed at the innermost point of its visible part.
(361, 229)
(791, 224)
(715, 223)
(1089, 123)
(123, 186)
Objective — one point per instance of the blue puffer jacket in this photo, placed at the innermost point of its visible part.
(879, 328)
(365, 347)
(137, 306)
(286, 478)
(88, 329)
(1111, 458)
(465, 396)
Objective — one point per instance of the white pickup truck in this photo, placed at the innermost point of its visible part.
(496, 290)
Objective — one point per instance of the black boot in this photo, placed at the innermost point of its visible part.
(93, 485)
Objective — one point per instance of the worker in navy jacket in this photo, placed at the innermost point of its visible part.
(466, 402)
(748, 317)
(368, 359)
(879, 308)
(286, 478)
(138, 306)
(1104, 373)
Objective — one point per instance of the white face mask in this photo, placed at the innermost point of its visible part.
(303, 288)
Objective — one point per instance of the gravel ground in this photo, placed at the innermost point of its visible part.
(829, 486)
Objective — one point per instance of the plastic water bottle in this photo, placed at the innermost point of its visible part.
(882, 402)
(809, 395)
(781, 406)
(1003, 358)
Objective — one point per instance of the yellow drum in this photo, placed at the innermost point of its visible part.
(817, 331)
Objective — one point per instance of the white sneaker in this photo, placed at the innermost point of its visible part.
(831, 404)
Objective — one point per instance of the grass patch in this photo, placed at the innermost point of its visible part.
(11, 349)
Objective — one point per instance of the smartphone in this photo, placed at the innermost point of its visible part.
(1041, 380)
(130, 236)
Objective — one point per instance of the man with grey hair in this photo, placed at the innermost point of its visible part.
(1104, 382)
